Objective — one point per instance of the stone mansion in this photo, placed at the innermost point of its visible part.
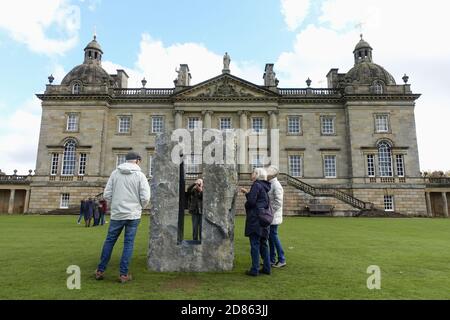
(351, 146)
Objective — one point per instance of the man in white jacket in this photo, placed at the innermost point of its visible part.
(276, 201)
(127, 193)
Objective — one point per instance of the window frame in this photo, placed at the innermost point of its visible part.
(300, 125)
(64, 200)
(300, 167)
(76, 88)
(382, 163)
(388, 125)
(76, 116)
(82, 164)
(372, 166)
(322, 122)
(118, 156)
(119, 119)
(259, 130)
(154, 117)
(65, 169)
(333, 156)
(54, 166)
(389, 200)
(402, 157)
(230, 122)
(198, 122)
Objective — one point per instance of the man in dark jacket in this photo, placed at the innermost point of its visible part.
(83, 207)
(257, 200)
(195, 200)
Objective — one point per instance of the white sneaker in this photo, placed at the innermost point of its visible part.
(279, 264)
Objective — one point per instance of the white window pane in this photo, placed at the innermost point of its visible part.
(120, 159)
(82, 164)
(64, 201)
(69, 158)
(370, 165)
(381, 123)
(54, 164)
(124, 124)
(295, 165)
(330, 166)
(385, 159)
(389, 203)
(400, 165)
(327, 125)
(294, 125)
(72, 122)
(225, 123)
(157, 124)
(257, 124)
(193, 123)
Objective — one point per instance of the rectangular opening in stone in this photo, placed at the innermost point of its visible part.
(190, 218)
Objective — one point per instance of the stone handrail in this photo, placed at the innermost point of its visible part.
(308, 91)
(143, 91)
(315, 191)
(438, 180)
(11, 179)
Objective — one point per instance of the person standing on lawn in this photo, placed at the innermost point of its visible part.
(257, 200)
(276, 201)
(127, 192)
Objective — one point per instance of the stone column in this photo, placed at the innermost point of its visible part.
(242, 141)
(274, 139)
(178, 119)
(444, 200)
(27, 201)
(207, 119)
(11, 201)
(428, 201)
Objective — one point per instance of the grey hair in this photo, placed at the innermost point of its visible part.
(272, 171)
(261, 173)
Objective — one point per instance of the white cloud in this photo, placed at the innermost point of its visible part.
(407, 37)
(18, 145)
(92, 4)
(294, 12)
(157, 62)
(29, 22)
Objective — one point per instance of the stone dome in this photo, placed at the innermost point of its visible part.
(362, 44)
(94, 45)
(367, 73)
(88, 73)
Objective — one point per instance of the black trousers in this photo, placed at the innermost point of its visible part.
(196, 226)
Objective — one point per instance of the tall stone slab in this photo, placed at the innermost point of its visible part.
(215, 251)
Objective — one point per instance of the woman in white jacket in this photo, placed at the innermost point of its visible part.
(276, 201)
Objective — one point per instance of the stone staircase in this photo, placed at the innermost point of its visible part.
(298, 195)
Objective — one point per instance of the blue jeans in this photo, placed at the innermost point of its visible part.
(275, 245)
(258, 246)
(114, 231)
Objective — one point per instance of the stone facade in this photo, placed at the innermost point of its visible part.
(328, 138)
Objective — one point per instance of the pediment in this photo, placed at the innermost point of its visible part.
(226, 86)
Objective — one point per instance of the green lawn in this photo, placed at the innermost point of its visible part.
(327, 259)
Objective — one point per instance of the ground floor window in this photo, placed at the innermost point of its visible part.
(295, 165)
(64, 203)
(329, 166)
(388, 203)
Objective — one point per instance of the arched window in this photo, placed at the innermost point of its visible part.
(378, 87)
(385, 159)
(76, 88)
(69, 158)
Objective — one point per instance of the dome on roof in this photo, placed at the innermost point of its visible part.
(88, 73)
(94, 45)
(368, 72)
(362, 44)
